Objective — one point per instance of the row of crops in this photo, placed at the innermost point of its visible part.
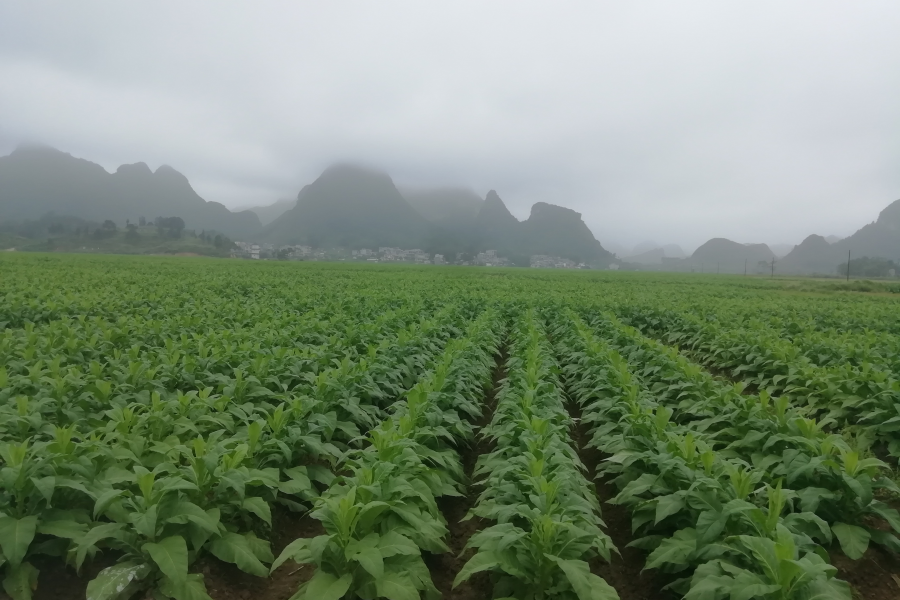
(156, 415)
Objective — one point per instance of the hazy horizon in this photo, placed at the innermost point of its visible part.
(673, 123)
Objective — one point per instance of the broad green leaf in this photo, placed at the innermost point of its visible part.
(171, 556)
(393, 543)
(20, 581)
(586, 585)
(234, 548)
(70, 530)
(184, 511)
(482, 561)
(298, 550)
(258, 507)
(324, 586)
(192, 588)
(854, 540)
(674, 550)
(371, 560)
(104, 500)
(15, 537)
(668, 505)
(94, 535)
(395, 586)
(118, 582)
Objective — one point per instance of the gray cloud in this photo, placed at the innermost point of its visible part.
(676, 122)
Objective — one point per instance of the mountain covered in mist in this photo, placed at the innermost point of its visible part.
(269, 212)
(879, 239)
(350, 206)
(37, 180)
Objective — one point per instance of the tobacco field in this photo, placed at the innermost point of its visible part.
(198, 428)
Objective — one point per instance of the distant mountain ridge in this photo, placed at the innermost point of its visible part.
(349, 206)
(879, 239)
(36, 180)
(354, 207)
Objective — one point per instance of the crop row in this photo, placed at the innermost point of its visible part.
(381, 512)
(545, 514)
(161, 477)
(711, 519)
(864, 398)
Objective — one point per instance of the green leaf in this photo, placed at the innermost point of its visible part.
(118, 581)
(15, 537)
(20, 581)
(324, 586)
(70, 530)
(191, 588)
(668, 505)
(258, 507)
(104, 500)
(393, 543)
(171, 556)
(395, 586)
(298, 551)
(183, 511)
(94, 535)
(371, 560)
(234, 548)
(675, 550)
(483, 561)
(854, 540)
(586, 585)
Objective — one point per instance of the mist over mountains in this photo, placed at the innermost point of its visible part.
(353, 207)
(349, 206)
(36, 180)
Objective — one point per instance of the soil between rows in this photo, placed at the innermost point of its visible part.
(624, 572)
(444, 567)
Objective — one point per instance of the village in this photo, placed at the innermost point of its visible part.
(488, 258)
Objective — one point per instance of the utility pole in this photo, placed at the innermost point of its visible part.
(745, 267)
(717, 268)
(773, 267)
(848, 264)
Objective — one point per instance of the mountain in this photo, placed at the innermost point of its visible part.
(644, 247)
(831, 239)
(559, 231)
(447, 206)
(879, 239)
(270, 212)
(812, 255)
(353, 207)
(349, 206)
(36, 180)
(720, 255)
(674, 251)
(650, 257)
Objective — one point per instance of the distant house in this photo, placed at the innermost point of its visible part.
(489, 258)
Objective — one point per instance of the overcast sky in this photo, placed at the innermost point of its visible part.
(760, 121)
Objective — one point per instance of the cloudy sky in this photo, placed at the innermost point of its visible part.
(667, 121)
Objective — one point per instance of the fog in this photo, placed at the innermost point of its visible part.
(671, 122)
